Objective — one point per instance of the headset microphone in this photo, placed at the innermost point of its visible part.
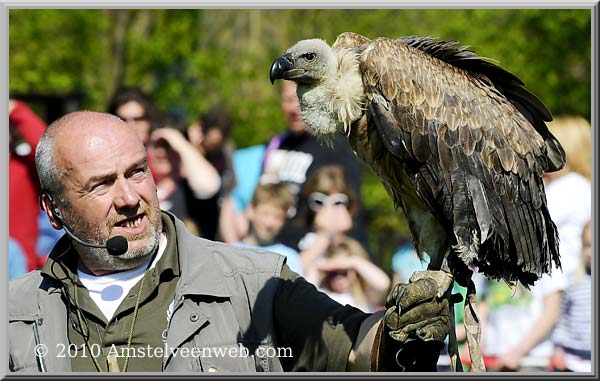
(115, 246)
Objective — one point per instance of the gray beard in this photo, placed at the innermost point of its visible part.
(99, 258)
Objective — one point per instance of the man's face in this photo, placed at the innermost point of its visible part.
(291, 108)
(267, 220)
(109, 191)
(135, 116)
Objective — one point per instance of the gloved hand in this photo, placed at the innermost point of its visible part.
(416, 322)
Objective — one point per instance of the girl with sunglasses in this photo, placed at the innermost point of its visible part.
(327, 206)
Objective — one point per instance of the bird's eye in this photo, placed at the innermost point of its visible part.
(309, 56)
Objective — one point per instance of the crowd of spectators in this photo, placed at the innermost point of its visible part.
(302, 199)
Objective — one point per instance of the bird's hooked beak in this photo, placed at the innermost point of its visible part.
(280, 67)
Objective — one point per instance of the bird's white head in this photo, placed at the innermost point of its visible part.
(308, 62)
(326, 106)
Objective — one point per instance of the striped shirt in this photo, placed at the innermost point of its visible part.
(574, 330)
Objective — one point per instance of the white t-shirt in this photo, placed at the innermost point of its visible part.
(108, 291)
(570, 206)
(512, 314)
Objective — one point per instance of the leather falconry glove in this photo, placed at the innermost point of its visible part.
(416, 322)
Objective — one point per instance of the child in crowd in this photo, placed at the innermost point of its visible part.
(573, 335)
(267, 214)
(327, 207)
(346, 275)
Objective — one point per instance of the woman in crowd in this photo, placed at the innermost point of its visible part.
(136, 108)
(183, 176)
(569, 191)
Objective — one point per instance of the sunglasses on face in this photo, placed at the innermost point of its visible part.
(317, 200)
(333, 274)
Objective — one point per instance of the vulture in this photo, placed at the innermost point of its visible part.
(459, 143)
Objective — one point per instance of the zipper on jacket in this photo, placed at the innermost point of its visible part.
(39, 347)
(177, 302)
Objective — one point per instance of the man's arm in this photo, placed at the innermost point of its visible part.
(359, 359)
(202, 177)
(539, 330)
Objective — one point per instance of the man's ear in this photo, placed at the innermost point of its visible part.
(50, 209)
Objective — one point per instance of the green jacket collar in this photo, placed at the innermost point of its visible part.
(200, 272)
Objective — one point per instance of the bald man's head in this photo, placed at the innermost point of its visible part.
(64, 136)
(95, 168)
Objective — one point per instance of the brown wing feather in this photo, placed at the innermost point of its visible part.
(486, 157)
(349, 40)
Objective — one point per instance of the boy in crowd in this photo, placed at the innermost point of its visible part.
(266, 216)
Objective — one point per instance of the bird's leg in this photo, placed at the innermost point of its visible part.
(455, 363)
(473, 329)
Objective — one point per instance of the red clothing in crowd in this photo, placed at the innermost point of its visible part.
(23, 183)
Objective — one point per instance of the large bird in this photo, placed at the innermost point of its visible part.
(458, 142)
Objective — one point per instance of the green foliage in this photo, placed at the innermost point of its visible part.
(190, 60)
(57, 51)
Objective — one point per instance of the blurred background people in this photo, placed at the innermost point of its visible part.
(569, 196)
(267, 214)
(25, 130)
(136, 108)
(517, 323)
(573, 335)
(183, 176)
(47, 236)
(293, 156)
(405, 262)
(345, 273)
(569, 191)
(17, 260)
(327, 208)
(210, 136)
(247, 166)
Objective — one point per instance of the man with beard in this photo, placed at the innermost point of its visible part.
(176, 302)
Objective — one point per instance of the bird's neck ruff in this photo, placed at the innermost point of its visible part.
(337, 101)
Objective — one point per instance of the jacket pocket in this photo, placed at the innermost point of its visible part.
(21, 344)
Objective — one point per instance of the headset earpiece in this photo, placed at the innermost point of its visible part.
(53, 208)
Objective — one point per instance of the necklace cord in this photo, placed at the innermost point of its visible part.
(135, 313)
(85, 332)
